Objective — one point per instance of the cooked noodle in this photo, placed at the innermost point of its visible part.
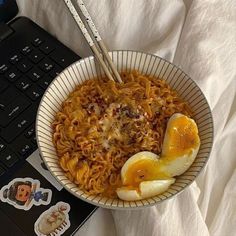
(103, 123)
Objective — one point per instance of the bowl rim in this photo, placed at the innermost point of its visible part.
(136, 207)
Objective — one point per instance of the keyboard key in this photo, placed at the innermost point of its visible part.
(24, 149)
(34, 140)
(30, 132)
(12, 75)
(2, 145)
(13, 110)
(24, 65)
(45, 81)
(15, 58)
(46, 65)
(8, 158)
(23, 84)
(2, 171)
(35, 74)
(55, 71)
(61, 58)
(3, 83)
(36, 56)
(35, 92)
(26, 50)
(46, 48)
(8, 96)
(3, 68)
(37, 41)
(19, 125)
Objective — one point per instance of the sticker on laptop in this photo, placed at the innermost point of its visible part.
(37, 162)
(23, 193)
(54, 221)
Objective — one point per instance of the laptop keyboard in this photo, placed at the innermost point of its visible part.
(24, 76)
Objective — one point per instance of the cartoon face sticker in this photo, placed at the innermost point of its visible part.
(53, 222)
(23, 193)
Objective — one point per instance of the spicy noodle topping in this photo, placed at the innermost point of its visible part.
(102, 123)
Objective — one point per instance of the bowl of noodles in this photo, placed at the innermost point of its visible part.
(91, 131)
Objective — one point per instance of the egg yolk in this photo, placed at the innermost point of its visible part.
(143, 170)
(183, 136)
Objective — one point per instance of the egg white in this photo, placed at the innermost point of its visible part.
(180, 164)
(146, 189)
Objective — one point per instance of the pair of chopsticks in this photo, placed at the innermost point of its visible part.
(91, 34)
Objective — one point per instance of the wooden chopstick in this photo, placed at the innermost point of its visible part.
(90, 41)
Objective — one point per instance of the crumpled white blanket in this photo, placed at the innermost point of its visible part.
(200, 37)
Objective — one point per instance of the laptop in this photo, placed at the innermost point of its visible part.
(32, 202)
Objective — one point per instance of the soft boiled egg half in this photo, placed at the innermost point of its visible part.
(145, 174)
(141, 178)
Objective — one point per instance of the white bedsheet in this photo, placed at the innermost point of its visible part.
(200, 37)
